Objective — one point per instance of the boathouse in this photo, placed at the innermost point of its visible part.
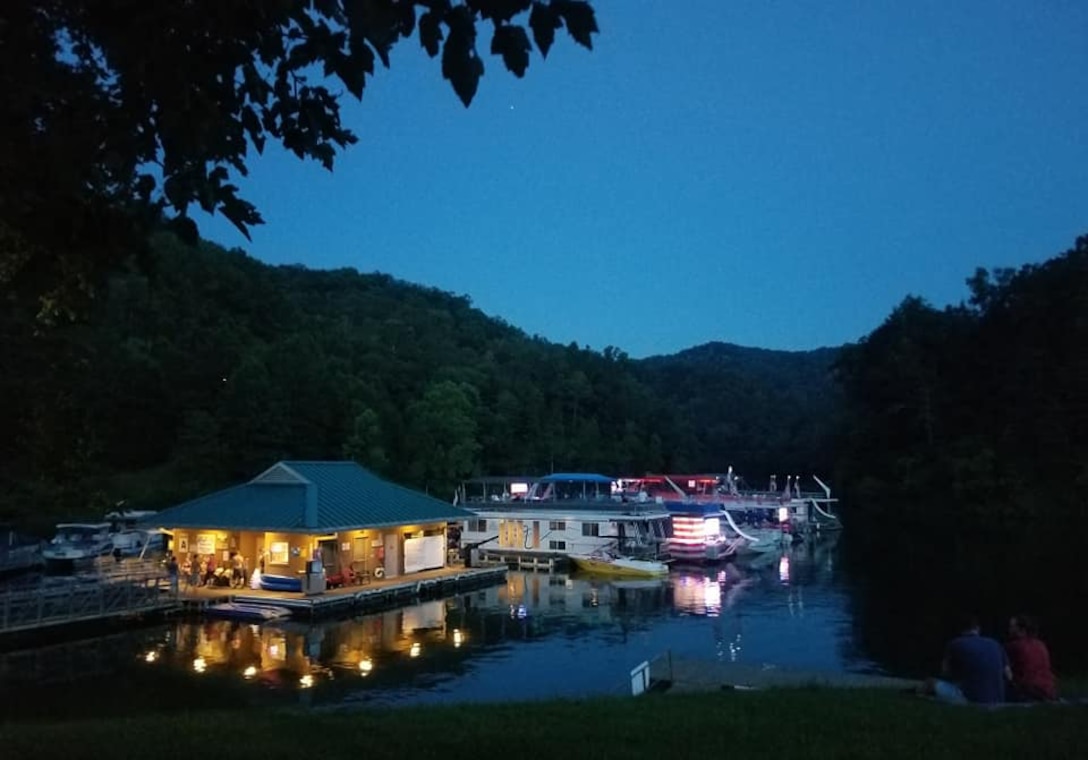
(297, 511)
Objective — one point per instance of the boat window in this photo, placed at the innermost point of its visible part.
(557, 546)
(557, 525)
(476, 526)
(591, 529)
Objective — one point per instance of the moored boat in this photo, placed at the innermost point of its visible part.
(130, 538)
(77, 544)
(605, 563)
(18, 553)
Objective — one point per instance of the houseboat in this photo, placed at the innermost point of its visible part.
(790, 510)
(561, 514)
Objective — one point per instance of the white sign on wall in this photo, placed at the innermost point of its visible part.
(424, 553)
(205, 543)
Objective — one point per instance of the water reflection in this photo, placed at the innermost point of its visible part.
(536, 635)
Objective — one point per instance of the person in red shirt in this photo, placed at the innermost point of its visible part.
(1031, 679)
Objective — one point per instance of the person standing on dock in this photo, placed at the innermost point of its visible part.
(172, 573)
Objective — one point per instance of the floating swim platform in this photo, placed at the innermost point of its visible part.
(252, 612)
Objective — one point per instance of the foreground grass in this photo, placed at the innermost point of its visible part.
(799, 723)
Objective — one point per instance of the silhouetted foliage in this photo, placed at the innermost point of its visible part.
(120, 114)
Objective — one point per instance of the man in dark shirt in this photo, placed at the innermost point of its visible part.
(974, 668)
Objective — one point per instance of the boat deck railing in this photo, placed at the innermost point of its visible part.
(633, 508)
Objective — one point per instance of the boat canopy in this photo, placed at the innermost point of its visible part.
(576, 477)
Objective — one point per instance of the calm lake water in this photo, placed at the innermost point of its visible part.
(536, 636)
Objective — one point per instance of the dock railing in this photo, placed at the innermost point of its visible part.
(130, 587)
(654, 674)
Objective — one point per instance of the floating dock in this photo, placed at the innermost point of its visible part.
(681, 674)
(370, 597)
(515, 560)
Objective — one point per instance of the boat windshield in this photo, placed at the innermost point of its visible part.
(75, 534)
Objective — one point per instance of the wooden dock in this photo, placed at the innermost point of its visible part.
(681, 674)
(515, 560)
(132, 588)
(376, 595)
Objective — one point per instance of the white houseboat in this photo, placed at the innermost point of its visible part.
(560, 515)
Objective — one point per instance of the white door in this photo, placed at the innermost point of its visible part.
(392, 555)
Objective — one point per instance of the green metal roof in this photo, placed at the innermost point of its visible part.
(310, 497)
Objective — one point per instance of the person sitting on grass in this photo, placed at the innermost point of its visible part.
(974, 668)
(1031, 679)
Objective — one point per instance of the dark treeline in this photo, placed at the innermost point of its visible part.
(200, 367)
(974, 418)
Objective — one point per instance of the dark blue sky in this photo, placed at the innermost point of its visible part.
(773, 174)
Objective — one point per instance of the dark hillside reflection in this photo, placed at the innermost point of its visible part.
(906, 591)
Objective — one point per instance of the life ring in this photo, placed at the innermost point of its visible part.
(379, 572)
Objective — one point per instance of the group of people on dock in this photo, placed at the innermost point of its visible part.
(202, 570)
(979, 669)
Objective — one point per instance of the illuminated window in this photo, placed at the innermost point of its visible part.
(278, 553)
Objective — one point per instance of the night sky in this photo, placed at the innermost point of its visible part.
(774, 174)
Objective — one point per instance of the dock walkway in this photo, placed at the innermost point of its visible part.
(128, 589)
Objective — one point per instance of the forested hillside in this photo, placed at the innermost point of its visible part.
(761, 411)
(975, 417)
(204, 366)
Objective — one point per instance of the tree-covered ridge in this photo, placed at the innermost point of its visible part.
(975, 414)
(204, 366)
(759, 410)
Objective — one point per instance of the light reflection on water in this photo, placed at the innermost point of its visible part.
(535, 636)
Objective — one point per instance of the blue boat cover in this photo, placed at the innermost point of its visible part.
(576, 477)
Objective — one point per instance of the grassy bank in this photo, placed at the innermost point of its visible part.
(779, 724)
